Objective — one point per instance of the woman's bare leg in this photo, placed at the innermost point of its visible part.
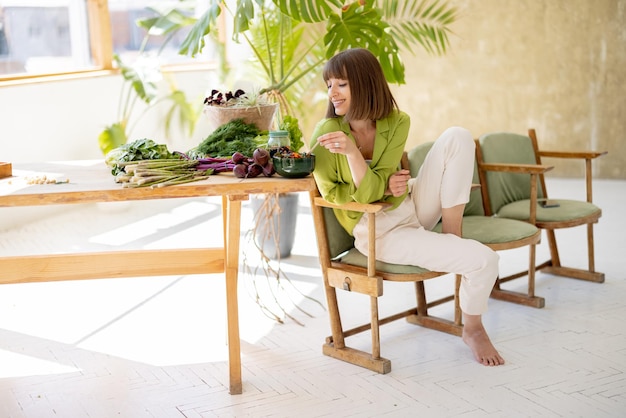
(475, 336)
(474, 333)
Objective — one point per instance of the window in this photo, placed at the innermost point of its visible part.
(44, 37)
(127, 37)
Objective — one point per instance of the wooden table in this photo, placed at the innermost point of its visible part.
(90, 182)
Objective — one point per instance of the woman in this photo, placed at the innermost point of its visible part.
(361, 142)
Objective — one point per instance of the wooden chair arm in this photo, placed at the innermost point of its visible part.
(371, 225)
(583, 155)
(357, 207)
(516, 168)
(532, 169)
(587, 155)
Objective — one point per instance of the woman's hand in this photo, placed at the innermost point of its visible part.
(337, 142)
(398, 183)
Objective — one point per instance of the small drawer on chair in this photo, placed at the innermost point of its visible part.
(355, 282)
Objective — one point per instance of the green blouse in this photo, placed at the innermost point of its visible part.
(332, 172)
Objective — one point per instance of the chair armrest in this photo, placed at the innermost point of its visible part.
(357, 207)
(532, 169)
(587, 155)
(371, 225)
(516, 168)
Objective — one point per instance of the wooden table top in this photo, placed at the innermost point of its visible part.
(91, 181)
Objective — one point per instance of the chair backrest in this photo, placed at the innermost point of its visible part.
(416, 158)
(508, 148)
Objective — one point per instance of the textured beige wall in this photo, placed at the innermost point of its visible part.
(558, 66)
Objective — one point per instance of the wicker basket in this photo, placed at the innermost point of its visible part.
(262, 115)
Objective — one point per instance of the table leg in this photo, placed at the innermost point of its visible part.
(231, 210)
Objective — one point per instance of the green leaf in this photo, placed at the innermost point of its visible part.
(194, 42)
(363, 27)
(187, 113)
(140, 78)
(356, 27)
(308, 10)
(291, 125)
(423, 23)
(390, 60)
(243, 14)
(277, 38)
(112, 137)
(163, 24)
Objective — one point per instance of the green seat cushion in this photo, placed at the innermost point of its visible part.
(355, 258)
(491, 230)
(567, 210)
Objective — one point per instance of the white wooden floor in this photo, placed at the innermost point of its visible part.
(155, 346)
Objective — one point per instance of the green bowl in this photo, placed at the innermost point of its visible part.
(291, 167)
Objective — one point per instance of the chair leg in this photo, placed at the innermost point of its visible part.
(554, 265)
(375, 328)
(335, 345)
(531, 272)
(335, 318)
(528, 299)
(554, 250)
(590, 250)
(422, 318)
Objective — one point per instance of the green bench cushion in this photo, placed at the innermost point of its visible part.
(492, 230)
(567, 210)
(355, 258)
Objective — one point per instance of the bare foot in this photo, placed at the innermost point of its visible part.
(476, 338)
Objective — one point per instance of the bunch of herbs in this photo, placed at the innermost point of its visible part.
(233, 136)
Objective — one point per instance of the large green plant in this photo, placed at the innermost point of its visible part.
(290, 40)
(385, 27)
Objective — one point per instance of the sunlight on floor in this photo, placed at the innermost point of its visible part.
(19, 365)
(160, 321)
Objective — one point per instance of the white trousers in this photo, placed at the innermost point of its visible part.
(404, 235)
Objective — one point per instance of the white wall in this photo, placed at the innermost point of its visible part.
(61, 120)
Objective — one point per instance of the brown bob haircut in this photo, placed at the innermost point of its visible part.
(371, 97)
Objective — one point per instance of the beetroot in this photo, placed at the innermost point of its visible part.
(254, 170)
(268, 169)
(261, 156)
(238, 158)
(240, 171)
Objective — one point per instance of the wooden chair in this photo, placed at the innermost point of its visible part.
(512, 175)
(499, 234)
(345, 268)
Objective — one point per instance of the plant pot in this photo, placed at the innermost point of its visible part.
(275, 216)
(262, 115)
